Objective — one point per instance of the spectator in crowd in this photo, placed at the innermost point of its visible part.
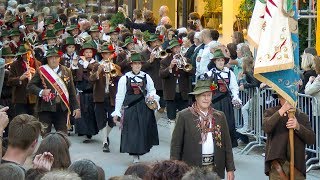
(86, 169)
(147, 25)
(35, 173)
(201, 174)
(11, 171)
(61, 175)
(58, 145)
(276, 125)
(313, 86)
(237, 37)
(243, 50)
(140, 170)
(164, 12)
(205, 55)
(137, 16)
(101, 174)
(24, 131)
(165, 21)
(94, 20)
(201, 135)
(307, 65)
(194, 20)
(195, 58)
(249, 84)
(4, 120)
(168, 169)
(232, 47)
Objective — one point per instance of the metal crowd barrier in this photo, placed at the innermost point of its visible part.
(261, 100)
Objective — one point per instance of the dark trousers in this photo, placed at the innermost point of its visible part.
(162, 102)
(103, 112)
(24, 109)
(177, 104)
(58, 119)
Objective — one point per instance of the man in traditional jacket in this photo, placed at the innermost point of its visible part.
(53, 83)
(201, 135)
(276, 124)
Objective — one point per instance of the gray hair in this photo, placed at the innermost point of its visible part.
(85, 168)
(200, 174)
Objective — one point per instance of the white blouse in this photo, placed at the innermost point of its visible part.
(122, 90)
(233, 86)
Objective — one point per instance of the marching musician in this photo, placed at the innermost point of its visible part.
(94, 32)
(105, 78)
(87, 124)
(175, 79)
(6, 93)
(139, 128)
(51, 41)
(114, 38)
(21, 72)
(152, 64)
(123, 56)
(30, 32)
(15, 40)
(59, 31)
(53, 83)
(70, 57)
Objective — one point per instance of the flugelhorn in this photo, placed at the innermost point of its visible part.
(182, 62)
(110, 68)
(159, 52)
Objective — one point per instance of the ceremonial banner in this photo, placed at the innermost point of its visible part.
(274, 31)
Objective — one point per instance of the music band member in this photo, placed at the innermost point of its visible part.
(152, 55)
(124, 56)
(105, 77)
(53, 83)
(139, 128)
(175, 78)
(21, 72)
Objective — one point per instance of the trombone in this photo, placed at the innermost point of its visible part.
(182, 62)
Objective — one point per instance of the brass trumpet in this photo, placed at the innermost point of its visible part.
(110, 68)
(182, 62)
(159, 52)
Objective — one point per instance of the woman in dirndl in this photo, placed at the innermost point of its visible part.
(227, 94)
(139, 128)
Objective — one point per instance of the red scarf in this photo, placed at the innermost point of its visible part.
(203, 121)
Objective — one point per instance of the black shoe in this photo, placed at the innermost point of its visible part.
(89, 136)
(86, 141)
(105, 147)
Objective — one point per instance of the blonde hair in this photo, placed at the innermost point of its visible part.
(307, 61)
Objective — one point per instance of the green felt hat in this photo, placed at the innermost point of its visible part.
(173, 43)
(107, 48)
(136, 57)
(217, 54)
(69, 41)
(29, 21)
(203, 86)
(127, 41)
(94, 28)
(49, 20)
(154, 37)
(72, 27)
(5, 32)
(6, 52)
(88, 45)
(58, 27)
(49, 35)
(114, 29)
(14, 32)
(52, 53)
(22, 50)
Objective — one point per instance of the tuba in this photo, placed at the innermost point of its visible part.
(159, 52)
(182, 62)
(110, 68)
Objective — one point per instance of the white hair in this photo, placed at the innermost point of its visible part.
(165, 20)
(182, 30)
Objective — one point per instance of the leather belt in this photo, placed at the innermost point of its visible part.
(279, 169)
